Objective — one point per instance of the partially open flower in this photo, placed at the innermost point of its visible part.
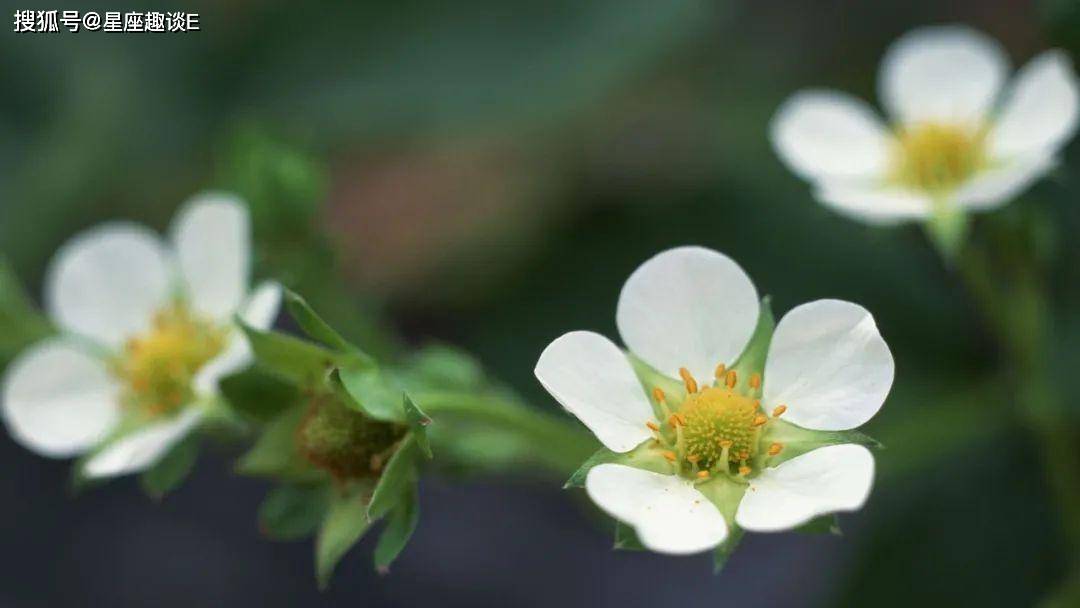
(707, 424)
(146, 333)
(958, 138)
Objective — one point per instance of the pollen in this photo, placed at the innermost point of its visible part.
(732, 379)
(775, 449)
(720, 371)
(688, 380)
(157, 368)
(937, 157)
(653, 426)
(658, 394)
(718, 420)
(779, 411)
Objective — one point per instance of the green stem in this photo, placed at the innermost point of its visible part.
(554, 442)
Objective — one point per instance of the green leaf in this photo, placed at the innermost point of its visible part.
(275, 453)
(641, 457)
(626, 539)
(752, 359)
(446, 368)
(371, 391)
(724, 550)
(824, 524)
(798, 441)
(173, 468)
(344, 525)
(399, 529)
(316, 328)
(258, 394)
(302, 363)
(398, 473)
(20, 322)
(294, 511)
(418, 422)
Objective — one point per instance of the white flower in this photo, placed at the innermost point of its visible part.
(680, 456)
(957, 136)
(146, 333)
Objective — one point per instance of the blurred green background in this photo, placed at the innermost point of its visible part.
(489, 174)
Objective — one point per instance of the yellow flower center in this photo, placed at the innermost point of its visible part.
(937, 157)
(157, 368)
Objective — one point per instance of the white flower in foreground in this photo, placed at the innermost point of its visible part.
(691, 459)
(957, 139)
(146, 333)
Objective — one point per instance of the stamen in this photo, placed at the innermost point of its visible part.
(744, 470)
(703, 474)
(732, 378)
(653, 426)
(720, 371)
(676, 420)
(779, 411)
(688, 380)
(658, 394)
(755, 380)
(775, 449)
(669, 455)
(760, 419)
(693, 458)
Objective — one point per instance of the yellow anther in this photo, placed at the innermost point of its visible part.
(732, 378)
(726, 443)
(744, 470)
(775, 448)
(676, 420)
(688, 380)
(693, 458)
(755, 380)
(744, 455)
(658, 394)
(703, 474)
(720, 371)
(669, 455)
(779, 411)
(653, 426)
(760, 419)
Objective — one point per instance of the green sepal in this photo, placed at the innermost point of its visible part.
(398, 473)
(626, 539)
(447, 368)
(371, 392)
(258, 394)
(723, 551)
(21, 324)
(275, 454)
(399, 528)
(823, 524)
(650, 378)
(726, 494)
(798, 441)
(418, 423)
(298, 361)
(344, 525)
(312, 324)
(294, 511)
(752, 359)
(172, 469)
(642, 457)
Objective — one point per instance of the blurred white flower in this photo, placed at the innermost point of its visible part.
(958, 138)
(146, 333)
(686, 313)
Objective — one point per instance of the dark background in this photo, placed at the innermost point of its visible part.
(491, 173)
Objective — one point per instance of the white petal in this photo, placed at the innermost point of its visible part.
(1040, 110)
(946, 74)
(668, 514)
(108, 282)
(594, 381)
(997, 186)
(829, 365)
(826, 480)
(58, 400)
(687, 307)
(236, 356)
(828, 134)
(212, 236)
(261, 308)
(143, 448)
(872, 203)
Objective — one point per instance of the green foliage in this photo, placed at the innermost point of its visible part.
(344, 525)
(294, 511)
(752, 359)
(399, 529)
(418, 423)
(641, 457)
(724, 550)
(173, 468)
(20, 323)
(371, 391)
(626, 539)
(825, 524)
(258, 394)
(275, 453)
(295, 360)
(395, 479)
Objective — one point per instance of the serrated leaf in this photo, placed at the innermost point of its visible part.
(300, 362)
(724, 550)
(752, 359)
(275, 453)
(395, 477)
(345, 523)
(258, 394)
(399, 529)
(371, 391)
(173, 468)
(641, 457)
(824, 524)
(418, 423)
(293, 511)
(626, 539)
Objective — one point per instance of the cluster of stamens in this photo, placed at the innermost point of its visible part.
(936, 157)
(158, 367)
(717, 429)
